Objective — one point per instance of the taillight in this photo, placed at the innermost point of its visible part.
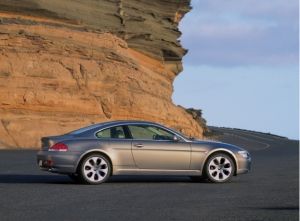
(59, 147)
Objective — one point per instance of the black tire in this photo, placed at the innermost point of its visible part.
(197, 179)
(94, 169)
(75, 177)
(219, 168)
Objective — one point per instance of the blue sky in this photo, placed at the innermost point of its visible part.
(242, 68)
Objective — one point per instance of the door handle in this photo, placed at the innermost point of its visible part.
(139, 145)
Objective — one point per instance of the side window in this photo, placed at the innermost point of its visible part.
(163, 134)
(146, 132)
(113, 132)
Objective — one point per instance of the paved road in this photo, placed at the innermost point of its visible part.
(269, 192)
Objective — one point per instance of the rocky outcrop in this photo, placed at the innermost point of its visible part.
(67, 64)
(197, 116)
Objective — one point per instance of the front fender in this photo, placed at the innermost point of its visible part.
(199, 157)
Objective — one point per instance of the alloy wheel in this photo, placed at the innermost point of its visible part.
(220, 168)
(95, 169)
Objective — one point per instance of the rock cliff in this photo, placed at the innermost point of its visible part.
(67, 64)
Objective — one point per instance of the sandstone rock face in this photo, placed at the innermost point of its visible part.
(68, 64)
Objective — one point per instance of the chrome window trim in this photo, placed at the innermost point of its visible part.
(140, 123)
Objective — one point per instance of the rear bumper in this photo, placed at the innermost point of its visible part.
(58, 162)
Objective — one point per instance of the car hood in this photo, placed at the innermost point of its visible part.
(215, 144)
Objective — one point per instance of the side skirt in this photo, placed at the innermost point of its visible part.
(135, 171)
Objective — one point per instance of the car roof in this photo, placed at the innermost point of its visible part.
(109, 124)
(126, 122)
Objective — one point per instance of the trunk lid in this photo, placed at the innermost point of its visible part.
(47, 142)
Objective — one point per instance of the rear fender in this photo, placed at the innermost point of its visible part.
(99, 151)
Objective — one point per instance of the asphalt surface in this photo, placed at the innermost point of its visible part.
(269, 192)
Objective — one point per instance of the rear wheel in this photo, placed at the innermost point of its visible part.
(219, 168)
(95, 169)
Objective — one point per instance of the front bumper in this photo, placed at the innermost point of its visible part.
(243, 165)
(58, 162)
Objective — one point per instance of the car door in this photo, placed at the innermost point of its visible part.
(155, 148)
(118, 145)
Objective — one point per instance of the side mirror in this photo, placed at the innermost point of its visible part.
(175, 138)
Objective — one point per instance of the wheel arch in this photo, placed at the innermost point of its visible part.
(224, 151)
(90, 152)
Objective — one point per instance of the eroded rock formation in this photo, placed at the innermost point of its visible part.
(67, 64)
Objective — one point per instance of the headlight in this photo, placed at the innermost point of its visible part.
(244, 154)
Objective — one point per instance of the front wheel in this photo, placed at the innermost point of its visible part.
(219, 168)
(95, 169)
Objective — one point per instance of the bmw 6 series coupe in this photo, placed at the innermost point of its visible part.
(92, 154)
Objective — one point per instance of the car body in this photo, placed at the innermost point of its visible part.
(93, 153)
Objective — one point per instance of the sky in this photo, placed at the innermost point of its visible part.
(242, 65)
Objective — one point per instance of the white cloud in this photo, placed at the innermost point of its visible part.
(238, 32)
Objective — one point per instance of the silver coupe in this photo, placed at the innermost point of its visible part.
(92, 154)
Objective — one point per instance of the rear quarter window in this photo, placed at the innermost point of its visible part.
(113, 132)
